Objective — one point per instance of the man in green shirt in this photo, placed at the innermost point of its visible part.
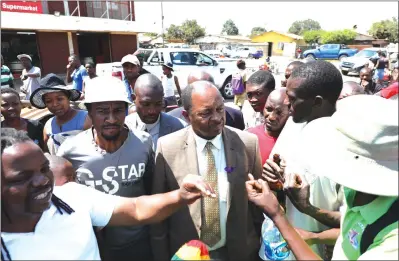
(7, 80)
(358, 148)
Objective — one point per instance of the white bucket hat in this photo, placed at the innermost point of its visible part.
(105, 89)
(24, 56)
(358, 146)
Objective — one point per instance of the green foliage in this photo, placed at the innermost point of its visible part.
(188, 31)
(311, 37)
(230, 28)
(338, 37)
(257, 31)
(300, 27)
(152, 35)
(385, 29)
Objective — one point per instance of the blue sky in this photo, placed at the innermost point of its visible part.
(272, 15)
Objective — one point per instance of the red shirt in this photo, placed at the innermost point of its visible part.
(390, 91)
(266, 142)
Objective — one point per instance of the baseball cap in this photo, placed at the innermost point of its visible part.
(24, 56)
(105, 89)
(130, 58)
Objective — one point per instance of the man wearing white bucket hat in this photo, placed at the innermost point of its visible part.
(358, 148)
(30, 75)
(113, 159)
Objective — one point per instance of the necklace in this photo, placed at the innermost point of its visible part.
(100, 150)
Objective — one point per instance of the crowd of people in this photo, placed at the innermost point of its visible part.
(120, 178)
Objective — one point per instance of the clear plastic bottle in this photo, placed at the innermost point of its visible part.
(273, 245)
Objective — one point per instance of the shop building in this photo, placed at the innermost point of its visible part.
(50, 31)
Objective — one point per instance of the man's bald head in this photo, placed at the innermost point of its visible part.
(196, 76)
(350, 88)
(149, 98)
(148, 83)
(62, 169)
(279, 95)
(204, 108)
(276, 111)
(202, 87)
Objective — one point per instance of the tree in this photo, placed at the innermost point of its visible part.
(230, 28)
(188, 31)
(152, 35)
(174, 32)
(299, 27)
(257, 30)
(311, 37)
(385, 29)
(191, 31)
(338, 37)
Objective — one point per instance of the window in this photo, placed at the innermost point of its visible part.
(183, 58)
(202, 59)
(280, 46)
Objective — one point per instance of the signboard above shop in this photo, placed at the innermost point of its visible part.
(33, 7)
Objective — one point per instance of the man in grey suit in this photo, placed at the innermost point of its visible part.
(149, 105)
(230, 225)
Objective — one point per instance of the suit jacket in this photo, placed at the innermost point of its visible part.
(175, 158)
(234, 118)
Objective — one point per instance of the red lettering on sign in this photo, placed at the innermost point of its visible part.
(34, 7)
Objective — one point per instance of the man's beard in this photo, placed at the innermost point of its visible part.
(111, 138)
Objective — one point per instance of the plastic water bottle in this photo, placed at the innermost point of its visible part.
(273, 245)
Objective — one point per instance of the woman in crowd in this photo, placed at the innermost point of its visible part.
(11, 107)
(382, 63)
(54, 95)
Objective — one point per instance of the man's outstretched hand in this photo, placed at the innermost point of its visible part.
(260, 194)
(193, 187)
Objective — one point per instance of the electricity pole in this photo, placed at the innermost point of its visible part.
(163, 34)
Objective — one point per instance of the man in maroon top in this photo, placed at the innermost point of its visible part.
(276, 113)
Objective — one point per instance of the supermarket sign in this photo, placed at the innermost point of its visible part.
(34, 7)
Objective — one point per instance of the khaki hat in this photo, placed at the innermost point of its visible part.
(358, 146)
(130, 58)
(105, 89)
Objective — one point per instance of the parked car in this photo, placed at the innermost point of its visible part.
(214, 53)
(247, 52)
(355, 63)
(184, 62)
(330, 51)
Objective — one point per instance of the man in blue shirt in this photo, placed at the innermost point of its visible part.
(75, 72)
(131, 67)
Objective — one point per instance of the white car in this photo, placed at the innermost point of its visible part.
(184, 62)
(357, 62)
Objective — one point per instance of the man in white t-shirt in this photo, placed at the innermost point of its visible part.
(43, 222)
(313, 90)
(30, 75)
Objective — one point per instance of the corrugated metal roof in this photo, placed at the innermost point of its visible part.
(294, 36)
(46, 22)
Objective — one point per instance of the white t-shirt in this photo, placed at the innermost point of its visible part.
(31, 84)
(66, 237)
(291, 145)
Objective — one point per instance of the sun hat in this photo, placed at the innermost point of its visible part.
(358, 146)
(105, 89)
(130, 58)
(24, 56)
(168, 65)
(52, 83)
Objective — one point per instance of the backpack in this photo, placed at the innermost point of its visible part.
(237, 84)
(372, 230)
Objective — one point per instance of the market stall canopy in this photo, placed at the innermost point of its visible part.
(49, 22)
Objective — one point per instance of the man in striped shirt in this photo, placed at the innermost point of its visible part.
(6, 75)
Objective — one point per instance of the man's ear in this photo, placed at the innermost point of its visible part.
(133, 97)
(318, 101)
(185, 115)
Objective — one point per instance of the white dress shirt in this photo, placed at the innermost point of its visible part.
(223, 184)
(133, 121)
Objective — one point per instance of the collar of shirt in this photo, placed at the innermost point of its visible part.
(371, 211)
(144, 126)
(201, 143)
